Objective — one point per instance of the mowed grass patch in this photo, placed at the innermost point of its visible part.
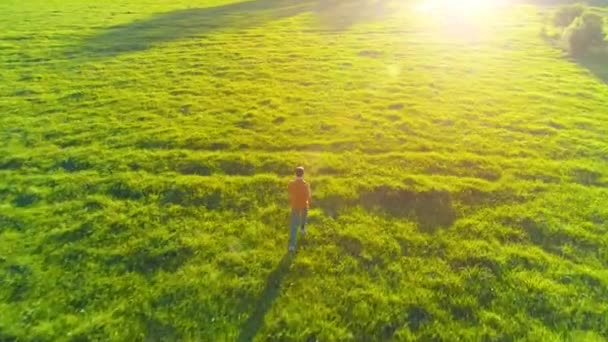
(458, 168)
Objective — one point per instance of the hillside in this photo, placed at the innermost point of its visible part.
(458, 165)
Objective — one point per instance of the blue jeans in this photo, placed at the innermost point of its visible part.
(298, 218)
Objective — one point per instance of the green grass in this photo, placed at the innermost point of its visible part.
(459, 171)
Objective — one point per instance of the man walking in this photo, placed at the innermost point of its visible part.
(300, 198)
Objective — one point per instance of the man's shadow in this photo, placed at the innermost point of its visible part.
(252, 325)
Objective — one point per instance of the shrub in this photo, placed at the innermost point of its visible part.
(565, 15)
(584, 33)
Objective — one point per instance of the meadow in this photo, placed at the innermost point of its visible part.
(458, 164)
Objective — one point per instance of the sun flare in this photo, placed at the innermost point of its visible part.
(460, 7)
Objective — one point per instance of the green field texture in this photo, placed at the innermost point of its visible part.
(458, 164)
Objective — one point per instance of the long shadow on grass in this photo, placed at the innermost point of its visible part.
(562, 2)
(432, 210)
(273, 287)
(193, 22)
(597, 64)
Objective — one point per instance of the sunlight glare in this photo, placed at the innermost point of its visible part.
(460, 7)
(463, 20)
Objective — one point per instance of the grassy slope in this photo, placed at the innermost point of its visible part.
(459, 174)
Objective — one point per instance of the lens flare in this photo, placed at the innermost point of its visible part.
(460, 7)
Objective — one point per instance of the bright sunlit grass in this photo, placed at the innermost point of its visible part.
(145, 146)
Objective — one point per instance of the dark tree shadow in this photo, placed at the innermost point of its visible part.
(432, 209)
(194, 22)
(250, 328)
(594, 61)
(563, 2)
(597, 64)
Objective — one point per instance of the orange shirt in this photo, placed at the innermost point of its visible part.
(299, 194)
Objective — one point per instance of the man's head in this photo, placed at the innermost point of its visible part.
(299, 171)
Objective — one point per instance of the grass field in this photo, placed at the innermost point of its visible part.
(458, 167)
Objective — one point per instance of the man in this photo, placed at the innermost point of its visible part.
(300, 198)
